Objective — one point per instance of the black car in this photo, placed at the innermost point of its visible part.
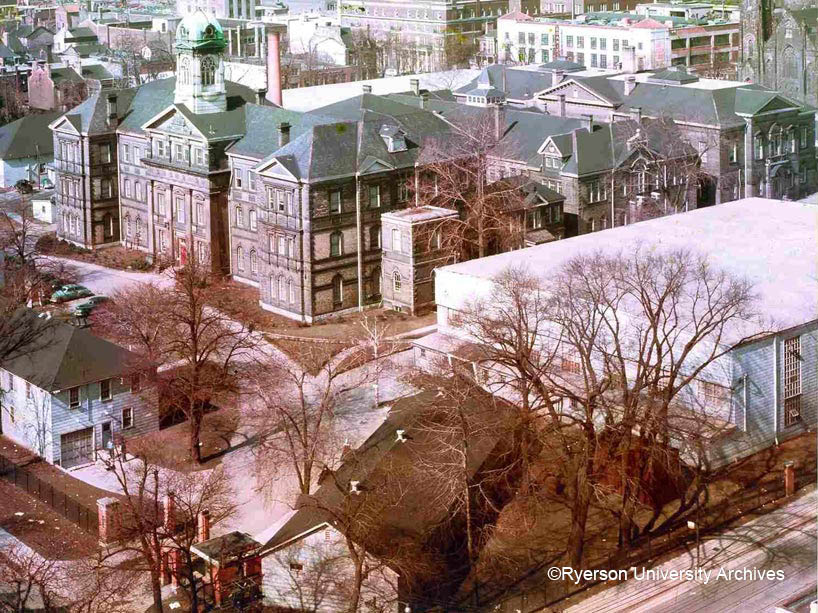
(24, 186)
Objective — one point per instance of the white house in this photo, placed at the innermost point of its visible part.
(66, 394)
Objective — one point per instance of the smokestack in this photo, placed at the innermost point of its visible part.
(424, 98)
(367, 89)
(561, 104)
(630, 84)
(273, 67)
(415, 85)
(283, 133)
(636, 114)
(559, 76)
(112, 115)
(499, 121)
(204, 526)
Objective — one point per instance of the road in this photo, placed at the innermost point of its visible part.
(782, 540)
(105, 281)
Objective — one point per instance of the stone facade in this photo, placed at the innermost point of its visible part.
(779, 47)
(413, 247)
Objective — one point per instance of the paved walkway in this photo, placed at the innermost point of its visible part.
(782, 540)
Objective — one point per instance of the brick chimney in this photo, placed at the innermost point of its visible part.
(169, 510)
(283, 133)
(561, 105)
(499, 121)
(630, 84)
(261, 95)
(273, 67)
(636, 114)
(204, 526)
(415, 85)
(559, 76)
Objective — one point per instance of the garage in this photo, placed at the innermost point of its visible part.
(77, 448)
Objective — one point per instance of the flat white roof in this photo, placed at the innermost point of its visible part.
(642, 77)
(309, 98)
(772, 243)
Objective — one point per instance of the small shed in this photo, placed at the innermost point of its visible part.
(233, 568)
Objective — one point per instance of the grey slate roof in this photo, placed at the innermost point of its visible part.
(57, 355)
(27, 137)
(5, 52)
(96, 71)
(379, 465)
(65, 75)
(517, 84)
(91, 116)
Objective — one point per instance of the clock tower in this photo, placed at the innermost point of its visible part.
(200, 49)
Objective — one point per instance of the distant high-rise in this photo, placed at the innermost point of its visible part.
(220, 9)
(778, 48)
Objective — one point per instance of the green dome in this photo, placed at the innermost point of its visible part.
(198, 29)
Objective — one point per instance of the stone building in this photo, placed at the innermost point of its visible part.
(413, 247)
(779, 47)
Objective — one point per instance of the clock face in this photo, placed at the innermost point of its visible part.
(209, 31)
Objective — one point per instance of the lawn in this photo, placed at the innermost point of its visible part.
(117, 257)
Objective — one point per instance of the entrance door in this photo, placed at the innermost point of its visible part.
(182, 252)
(77, 448)
(99, 234)
(107, 436)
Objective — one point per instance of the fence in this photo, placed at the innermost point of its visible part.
(85, 518)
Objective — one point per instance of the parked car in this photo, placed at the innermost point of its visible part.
(70, 292)
(24, 186)
(85, 309)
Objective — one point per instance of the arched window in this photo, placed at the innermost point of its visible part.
(138, 230)
(239, 217)
(281, 295)
(291, 290)
(788, 68)
(208, 71)
(775, 140)
(336, 243)
(184, 71)
(65, 222)
(108, 224)
(128, 226)
(396, 281)
(337, 290)
(240, 258)
(253, 261)
(138, 191)
(758, 146)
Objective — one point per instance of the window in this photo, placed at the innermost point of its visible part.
(288, 199)
(198, 156)
(580, 42)
(374, 237)
(545, 55)
(240, 258)
(712, 394)
(804, 138)
(199, 217)
(403, 191)
(127, 188)
(127, 418)
(282, 246)
(290, 247)
(127, 225)
(544, 40)
(758, 147)
(594, 62)
(615, 43)
(105, 189)
(74, 398)
(184, 72)
(792, 380)
(291, 290)
(280, 200)
(237, 177)
(208, 71)
(180, 209)
(270, 197)
(396, 281)
(603, 44)
(253, 219)
(802, 175)
(603, 61)
(253, 261)
(104, 154)
(396, 240)
(521, 38)
(596, 191)
(732, 153)
(161, 202)
(569, 41)
(139, 191)
(337, 290)
(281, 291)
(28, 389)
(336, 244)
(163, 241)
(374, 196)
(593, 42)
(126, 153)
(161, 149)
(580, 60)
(105, 389)
(335, 201)
(616, 61)
(569, 364)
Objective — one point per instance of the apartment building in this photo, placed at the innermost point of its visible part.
(616, 41)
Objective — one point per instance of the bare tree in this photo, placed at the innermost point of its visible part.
(299, 429)
(455, 171)
(29, 581)
(599, 361)
(182, 328)
(12, 100)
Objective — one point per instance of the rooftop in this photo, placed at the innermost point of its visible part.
(420, 213)
(784, 275)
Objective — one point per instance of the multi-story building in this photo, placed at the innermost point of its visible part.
(413, 247)
(779, 48)
(67, 394)
(428, 37)
(616, 41)
(751, 140)
(221, 9)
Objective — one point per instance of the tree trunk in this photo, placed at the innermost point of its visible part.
(156, 588)
(579, 516)
(195, 434)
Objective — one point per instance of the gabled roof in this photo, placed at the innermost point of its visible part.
(56, 355)
(91, 116)
(517, 84)
(96, 71)
(80, 33)
(516, 16)
(382, 465)
(649, 24)
(65, 75)
(28, 137)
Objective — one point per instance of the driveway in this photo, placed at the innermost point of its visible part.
(105, 281)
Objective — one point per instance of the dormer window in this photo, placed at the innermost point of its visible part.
(394, 138)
